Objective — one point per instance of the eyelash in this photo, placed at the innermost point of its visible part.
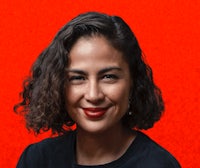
(76, 79)
(110, 76)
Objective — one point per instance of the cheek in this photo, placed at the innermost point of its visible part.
(72, 95)
(71, 99)
(119, 94)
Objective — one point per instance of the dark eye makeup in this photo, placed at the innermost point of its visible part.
(76, 77)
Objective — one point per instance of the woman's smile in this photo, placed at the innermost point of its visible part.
(94, 113)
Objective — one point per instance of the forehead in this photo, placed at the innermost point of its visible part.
(96, 49)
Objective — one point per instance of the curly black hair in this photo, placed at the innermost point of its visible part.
(43, 99)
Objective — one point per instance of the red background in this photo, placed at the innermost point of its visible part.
(168, 32)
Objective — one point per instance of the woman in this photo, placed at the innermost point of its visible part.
(93, 76)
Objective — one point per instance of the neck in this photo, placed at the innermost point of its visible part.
(104, 147)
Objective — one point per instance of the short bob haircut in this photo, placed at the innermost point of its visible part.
(43, 99)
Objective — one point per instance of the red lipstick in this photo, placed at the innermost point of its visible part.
(94, 112)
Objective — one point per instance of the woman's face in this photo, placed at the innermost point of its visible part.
(98, 85)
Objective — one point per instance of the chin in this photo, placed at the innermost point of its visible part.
(92, 128)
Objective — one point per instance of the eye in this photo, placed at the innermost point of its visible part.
(76, 79)
(110, 77)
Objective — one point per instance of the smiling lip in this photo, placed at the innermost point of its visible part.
(94, 112)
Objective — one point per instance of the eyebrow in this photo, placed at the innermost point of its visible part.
(104, 70)
(109, 69)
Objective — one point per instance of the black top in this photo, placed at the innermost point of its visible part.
(59, 152)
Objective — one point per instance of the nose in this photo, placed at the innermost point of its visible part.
(94, 93)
